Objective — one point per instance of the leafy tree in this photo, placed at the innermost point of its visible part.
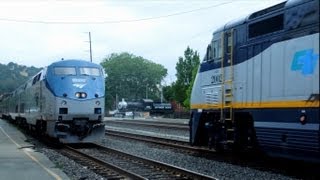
(185, 68)
(168, 92)
(131, 77)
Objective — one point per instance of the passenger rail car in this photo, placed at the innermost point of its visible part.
(64, 100)
(258, 85)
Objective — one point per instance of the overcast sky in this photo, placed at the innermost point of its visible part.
(37, 33)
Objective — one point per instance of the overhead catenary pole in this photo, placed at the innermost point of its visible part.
(90, 47)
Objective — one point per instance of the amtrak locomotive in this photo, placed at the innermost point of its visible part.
(64, 100)
(258, 85)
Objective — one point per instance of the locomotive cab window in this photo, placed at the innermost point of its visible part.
(65, 71)
(209, 53)
(89, 71)
(216, 50)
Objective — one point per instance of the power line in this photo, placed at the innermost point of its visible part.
(113, 22)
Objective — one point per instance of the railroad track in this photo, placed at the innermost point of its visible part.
(176, 144)
(151, 123)
(114, 164)
(140, 166)
(251, 159)
(103, 168)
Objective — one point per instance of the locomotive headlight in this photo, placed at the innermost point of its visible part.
(83, 95)
(63, 103)
(303, 118)
(77, 95)
(97, 103)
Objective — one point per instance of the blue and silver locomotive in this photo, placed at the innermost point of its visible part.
(64, 100)
(258, 85)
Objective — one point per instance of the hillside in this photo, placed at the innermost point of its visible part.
(12, 75)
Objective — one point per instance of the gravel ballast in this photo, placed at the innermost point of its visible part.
(217, 169)
(72, 169)
(212, 168)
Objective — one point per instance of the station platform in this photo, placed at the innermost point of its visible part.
(18, 160)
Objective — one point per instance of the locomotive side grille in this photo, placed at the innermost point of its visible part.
(211, 94)
(211, 98)
(289, 139)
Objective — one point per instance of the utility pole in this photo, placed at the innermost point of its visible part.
(90, 46)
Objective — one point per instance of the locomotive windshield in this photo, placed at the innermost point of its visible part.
(89, 71)
(65, 71)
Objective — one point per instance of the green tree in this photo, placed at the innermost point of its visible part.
(186, 67)
(168, 92)
(131, 77)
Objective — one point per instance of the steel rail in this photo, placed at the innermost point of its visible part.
(103, 168)
(159, 169)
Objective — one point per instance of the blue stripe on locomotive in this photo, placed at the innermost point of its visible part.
(71, 84)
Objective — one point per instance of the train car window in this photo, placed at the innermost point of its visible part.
(266, 26)
(36, 79)
(65, 71)
(90, 71)
(217, 49)
(229, 43)
(209, 53)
